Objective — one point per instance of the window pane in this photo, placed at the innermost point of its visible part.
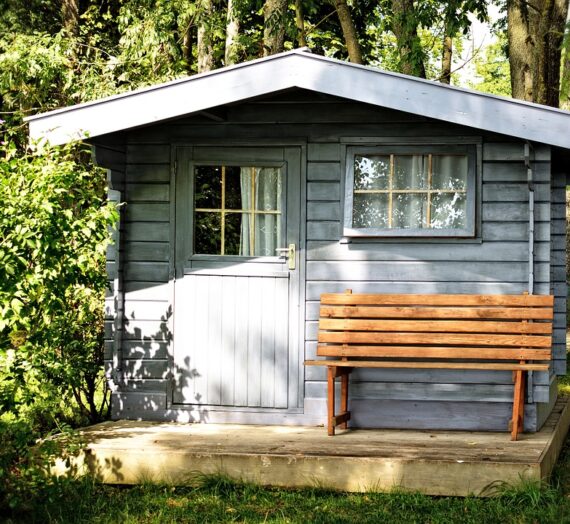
(370, 210)
(448, 210)
(409, 210)
(449, 172)
(268, 189)
(234, 191)
(371, 172)
(267, 235)
(233, 233)
(208, 187)
(410, 172)
(207, 233)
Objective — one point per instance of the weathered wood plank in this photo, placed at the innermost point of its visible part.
(147, 212)
(320, 171)
(147, 309)
(147, 251)
(323, 191)
(154, 291)
(323, 152)
(148, 153)
(512, 212)
(424, 392)
(147, 231)
(514, 231)
(511, 172)
(148, 192)
(514, 152)
(316, 288)
(146, 271)
(147, 173)
(426, 271)
(365, 251)
(349, 321)
(438, 300)
(323, 211)
(323, 230)
(505, 192)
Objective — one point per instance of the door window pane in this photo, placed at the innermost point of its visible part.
(238, 210)
(207, 233)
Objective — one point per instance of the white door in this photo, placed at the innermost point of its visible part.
(237, 285)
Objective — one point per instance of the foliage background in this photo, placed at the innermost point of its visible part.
(54, 219)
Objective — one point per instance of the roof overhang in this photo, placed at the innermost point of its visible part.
(301, 69)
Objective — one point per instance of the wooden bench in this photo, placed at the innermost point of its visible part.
(479, 332)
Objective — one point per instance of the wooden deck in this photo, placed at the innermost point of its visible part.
(433, 462)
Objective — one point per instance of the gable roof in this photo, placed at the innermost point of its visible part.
(301, 69)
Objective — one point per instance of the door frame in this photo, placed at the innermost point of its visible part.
(181, 158)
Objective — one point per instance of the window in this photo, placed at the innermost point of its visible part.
(237, 210)
(405, 191)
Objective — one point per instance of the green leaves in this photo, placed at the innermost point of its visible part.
(54, 229)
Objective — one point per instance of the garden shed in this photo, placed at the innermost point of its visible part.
(251, 190)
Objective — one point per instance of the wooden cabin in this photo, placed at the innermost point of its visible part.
(251, 190)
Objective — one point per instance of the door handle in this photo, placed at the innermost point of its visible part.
(288, 252)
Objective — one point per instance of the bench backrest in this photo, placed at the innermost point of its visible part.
(464, 327)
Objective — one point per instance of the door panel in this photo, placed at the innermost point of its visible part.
(236, 317)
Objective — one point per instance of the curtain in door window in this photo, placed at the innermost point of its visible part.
(261, 193)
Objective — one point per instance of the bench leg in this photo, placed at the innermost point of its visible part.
(344, 398)
(331, 373)
(341, 419)
(517, 422)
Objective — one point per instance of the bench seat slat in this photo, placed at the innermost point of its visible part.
(492, 366)
(463, 353)
(440, 300)
(455, 339)
(437, 326)
(353, 311)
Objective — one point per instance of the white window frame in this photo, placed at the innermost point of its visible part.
(437, 149)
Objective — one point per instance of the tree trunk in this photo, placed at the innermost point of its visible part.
(274, 26)
(349, 31)
(405, 28)
(204, 44)
(232, 32)
(300, 23)
(535, 33)
(187, 44)
(70, 16)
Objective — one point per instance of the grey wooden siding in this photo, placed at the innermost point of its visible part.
(494, 262)
(558, 270)
(145, 255)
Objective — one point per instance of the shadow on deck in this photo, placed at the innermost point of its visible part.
(432, 462)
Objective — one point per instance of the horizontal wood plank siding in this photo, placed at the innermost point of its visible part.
(145, 253)
(558, 269)
(495, 262)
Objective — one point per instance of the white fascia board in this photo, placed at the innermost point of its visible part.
(430, 99)
(166, 101)
(304, 70)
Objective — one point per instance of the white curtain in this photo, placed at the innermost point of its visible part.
(449, 172)
(261, 233)
(409, 210)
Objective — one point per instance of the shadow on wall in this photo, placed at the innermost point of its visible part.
(141, 373)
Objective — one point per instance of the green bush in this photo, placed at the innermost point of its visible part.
(54, 229)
